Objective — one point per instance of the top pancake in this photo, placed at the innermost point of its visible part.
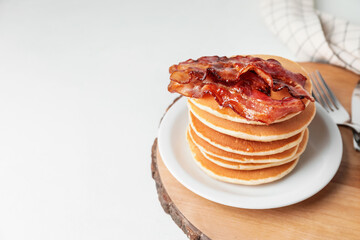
(261, 133)
(210, 105)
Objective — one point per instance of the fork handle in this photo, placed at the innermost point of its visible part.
(356, 141)
(355, 127)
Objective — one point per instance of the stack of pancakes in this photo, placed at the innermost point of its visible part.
(233, 149)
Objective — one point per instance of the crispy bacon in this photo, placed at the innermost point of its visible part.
(243, 83)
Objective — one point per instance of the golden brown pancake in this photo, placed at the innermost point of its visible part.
(251, 166)
(264, 133)
(213, 152)
(242, 146)
(247, 177)
(209, 104)
(210, 149)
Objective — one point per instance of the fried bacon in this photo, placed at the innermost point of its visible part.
(243, 83)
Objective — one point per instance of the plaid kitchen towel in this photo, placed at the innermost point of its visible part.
(312, 35)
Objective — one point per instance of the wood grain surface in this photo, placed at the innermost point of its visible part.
(333, 213)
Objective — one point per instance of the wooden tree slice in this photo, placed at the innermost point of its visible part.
(333, 213)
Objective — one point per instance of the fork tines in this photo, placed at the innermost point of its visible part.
(328, 99)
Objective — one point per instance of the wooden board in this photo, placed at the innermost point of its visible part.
(333, 213)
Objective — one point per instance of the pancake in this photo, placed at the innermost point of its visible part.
(264, 133)
(242, 146)
(210, 149)
(211, 106)
(247, 177)
(213, 152)
(251, 166)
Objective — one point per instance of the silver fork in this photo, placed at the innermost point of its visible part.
(330, 103)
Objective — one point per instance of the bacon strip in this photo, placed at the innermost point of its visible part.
(243, 83)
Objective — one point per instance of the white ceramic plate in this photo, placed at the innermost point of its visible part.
(316, 167)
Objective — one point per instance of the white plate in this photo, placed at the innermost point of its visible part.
(316, 167)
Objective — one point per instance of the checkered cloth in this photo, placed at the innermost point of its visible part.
(312, 35)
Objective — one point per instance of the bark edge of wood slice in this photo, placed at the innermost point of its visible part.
(169, 207)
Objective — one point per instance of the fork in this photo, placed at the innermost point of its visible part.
(330, 103)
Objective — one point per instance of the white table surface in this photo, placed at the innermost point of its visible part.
(83, 85)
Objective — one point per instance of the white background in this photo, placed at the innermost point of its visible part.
(83, 85)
